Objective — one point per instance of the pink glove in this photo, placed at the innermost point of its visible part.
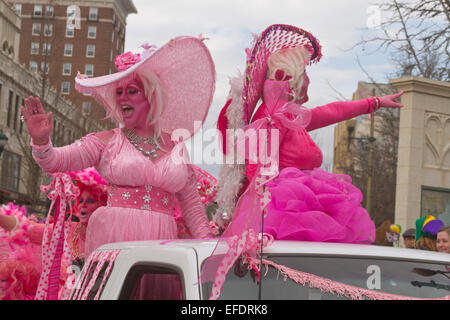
(40, 125)
(388, 101)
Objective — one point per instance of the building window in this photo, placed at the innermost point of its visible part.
(67, 69)
(35, 48)
(36, 30)
(10, 102)
(33, 66)
(86, 109)
(90, 51)
(19, 9)
(16, 113)
(37, 10)
(89, 70)
(68, 49)
(46, 48)
(70, 31)
(10, 170)
(45, 68)
(93, 14)
(20, 122)
(65, 87)
(48, 30)
(92, 32)
(49, 11)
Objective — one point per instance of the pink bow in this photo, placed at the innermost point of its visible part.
(249, 240)
(279, 111)
(54, 244)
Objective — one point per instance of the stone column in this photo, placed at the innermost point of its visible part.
(424, 144)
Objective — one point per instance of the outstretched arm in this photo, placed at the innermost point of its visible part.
(344, 110)
(80, 155)
(193, 209)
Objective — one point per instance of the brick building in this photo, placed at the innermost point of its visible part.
(20, 177)
(60, 38)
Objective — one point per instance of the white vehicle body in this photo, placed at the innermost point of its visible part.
(185, 258)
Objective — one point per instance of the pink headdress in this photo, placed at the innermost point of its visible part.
(274, 38)
(91, 179)
(186, 71)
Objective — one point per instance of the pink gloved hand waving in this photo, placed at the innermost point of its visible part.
(389, 101)
(40, 125)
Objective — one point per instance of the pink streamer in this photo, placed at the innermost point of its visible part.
(62, 191)
(329, 286)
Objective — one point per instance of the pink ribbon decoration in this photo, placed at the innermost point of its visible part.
(54, 243)
(279, 112)
(249, 240)
(94, 264)
(330, 286)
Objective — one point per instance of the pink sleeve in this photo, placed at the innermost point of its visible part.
(82, 154)
(192, 208)
(339, 111)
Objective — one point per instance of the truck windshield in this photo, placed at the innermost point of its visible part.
(399, 277)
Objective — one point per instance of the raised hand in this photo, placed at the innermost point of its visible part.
(40, 125)
(389, 101)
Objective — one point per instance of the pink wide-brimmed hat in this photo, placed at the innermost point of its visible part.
(186, 71)
(274, 38)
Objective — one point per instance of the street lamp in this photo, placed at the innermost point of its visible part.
(3, 141)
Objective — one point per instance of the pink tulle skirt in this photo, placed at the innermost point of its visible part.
(113, 224)
(314, 205)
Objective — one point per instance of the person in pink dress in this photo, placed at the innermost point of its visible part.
(156, 98)
(280, 190)
(23, 235)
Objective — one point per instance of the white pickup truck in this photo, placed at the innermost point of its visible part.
(170, 270)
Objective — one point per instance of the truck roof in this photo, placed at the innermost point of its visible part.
(204, 248)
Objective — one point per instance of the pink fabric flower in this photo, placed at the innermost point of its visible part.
(127, 60)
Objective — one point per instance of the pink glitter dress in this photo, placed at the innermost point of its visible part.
(141, 197)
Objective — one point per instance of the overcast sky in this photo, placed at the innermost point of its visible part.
(229, 26)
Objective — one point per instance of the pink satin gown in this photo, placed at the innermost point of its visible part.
(129, 217)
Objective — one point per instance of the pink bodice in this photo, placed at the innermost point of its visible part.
(122, 165)
(297, 148)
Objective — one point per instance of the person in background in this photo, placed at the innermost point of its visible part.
(426, 231)
(409, 238)
(443, 240)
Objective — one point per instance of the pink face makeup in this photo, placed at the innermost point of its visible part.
(87, 205)
(132, 103)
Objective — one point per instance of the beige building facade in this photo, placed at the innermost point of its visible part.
(423, 169)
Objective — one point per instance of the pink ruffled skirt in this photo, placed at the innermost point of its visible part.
(314, 205)
(114, 224)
